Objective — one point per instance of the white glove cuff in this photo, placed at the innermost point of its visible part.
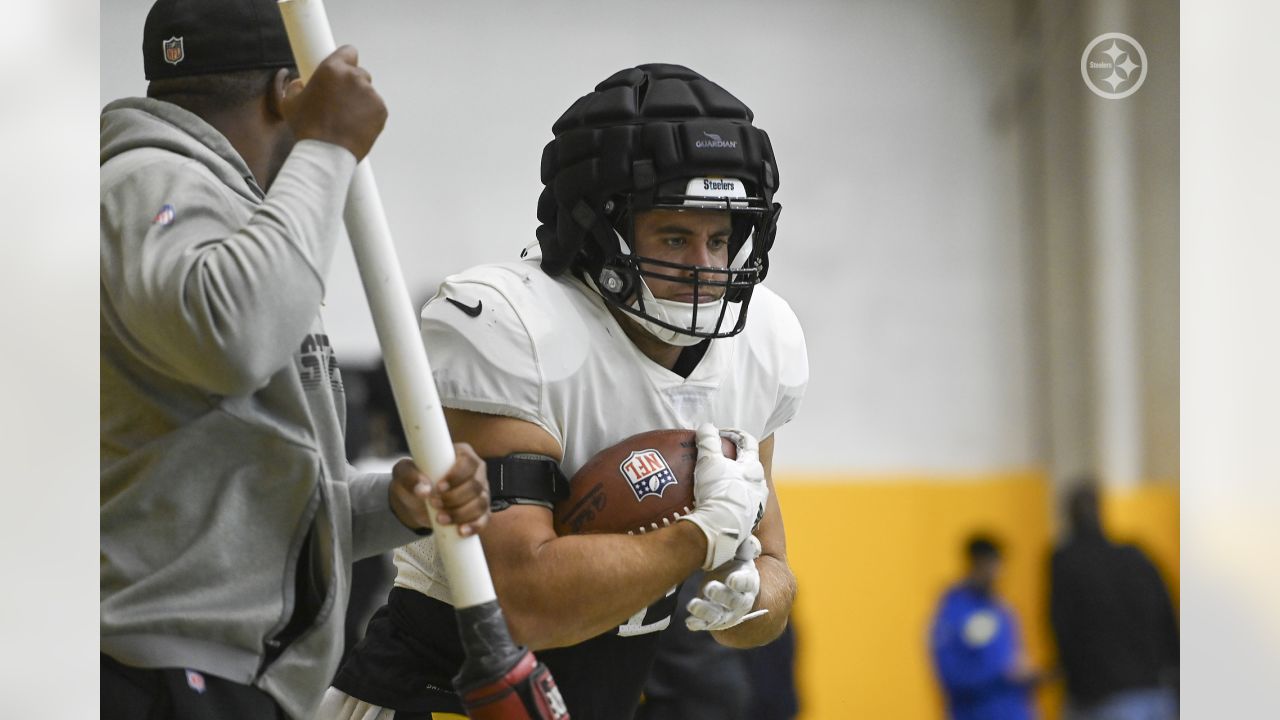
(749, 616)
(722, 545)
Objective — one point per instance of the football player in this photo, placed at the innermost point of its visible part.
(657, 219)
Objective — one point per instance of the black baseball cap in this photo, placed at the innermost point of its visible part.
(198, 37)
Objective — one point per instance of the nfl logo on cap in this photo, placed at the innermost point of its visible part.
(173, 53)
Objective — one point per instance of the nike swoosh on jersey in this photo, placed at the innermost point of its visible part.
(473, 311)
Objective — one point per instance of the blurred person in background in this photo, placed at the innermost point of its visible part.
(977, 646)
(1114, 623)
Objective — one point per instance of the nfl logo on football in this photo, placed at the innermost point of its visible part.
(648, 473)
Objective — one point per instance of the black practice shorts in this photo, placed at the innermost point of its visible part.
(411, 651)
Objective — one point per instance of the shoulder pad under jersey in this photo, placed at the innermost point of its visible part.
(777, 341)
(495, 333)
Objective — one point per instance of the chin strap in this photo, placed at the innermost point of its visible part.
(678, 314)
(665, 310)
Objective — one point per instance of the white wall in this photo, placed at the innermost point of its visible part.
(901, 246)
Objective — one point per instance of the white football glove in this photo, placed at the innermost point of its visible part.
(729, 496)
(721, 605)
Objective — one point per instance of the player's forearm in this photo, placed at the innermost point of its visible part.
(575, 587)
(777, 593)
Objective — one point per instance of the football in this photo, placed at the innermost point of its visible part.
(643, 483)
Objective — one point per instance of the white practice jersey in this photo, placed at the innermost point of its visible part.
(510, 340)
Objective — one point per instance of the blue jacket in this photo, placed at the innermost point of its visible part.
(975, 643)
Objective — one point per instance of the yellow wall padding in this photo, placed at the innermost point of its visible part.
(873, 555)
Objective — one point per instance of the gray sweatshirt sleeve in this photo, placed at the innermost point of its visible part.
(374, 527)
(210, 298)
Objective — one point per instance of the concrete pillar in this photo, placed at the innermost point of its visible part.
(1111, 181)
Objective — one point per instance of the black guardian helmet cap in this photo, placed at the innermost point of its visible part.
(634, 144)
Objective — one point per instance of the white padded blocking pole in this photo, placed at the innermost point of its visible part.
(312, 40)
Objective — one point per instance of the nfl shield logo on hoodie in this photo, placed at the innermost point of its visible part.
(195, 681)
(165, 216)
(173, 53)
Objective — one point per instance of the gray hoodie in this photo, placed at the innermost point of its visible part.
(228, 509)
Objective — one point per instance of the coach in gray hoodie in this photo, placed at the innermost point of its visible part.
(229, 515)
